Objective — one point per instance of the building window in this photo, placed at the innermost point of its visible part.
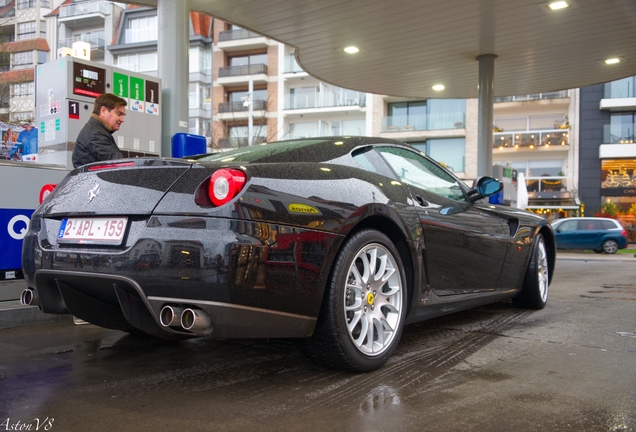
(618, 173)
(448, 151)
(23, 59)
(26, 30)
(446, 114)
(622, 128)
(141, 30)
(200, 60)
(27, 116)
(144, 62)
(248, 60)
(354, 127)
(28, 4)
(22, 90)
(403, 114)
(539, 168)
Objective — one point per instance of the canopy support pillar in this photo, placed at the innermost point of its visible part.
(485, 118)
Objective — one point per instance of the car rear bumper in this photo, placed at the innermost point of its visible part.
(251, 279)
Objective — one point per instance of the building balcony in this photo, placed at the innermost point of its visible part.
(240, 74)
(84, 14)
(346, 100)
(544, 187)
(532, 140)
(405, 123)
(235, 40)
(291, 65)
(84, 8)
(96, 40)
(532, 97)
(619, 141)
(231, 35)
(232, 107)
(618, 104)
(619, 95)
(620, 89)
(619, 133)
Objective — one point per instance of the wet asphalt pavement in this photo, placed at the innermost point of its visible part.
(569, 367)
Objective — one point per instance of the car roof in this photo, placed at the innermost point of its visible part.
(321, 149)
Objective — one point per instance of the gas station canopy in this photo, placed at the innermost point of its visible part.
(408, 46)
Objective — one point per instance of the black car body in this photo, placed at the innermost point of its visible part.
(338, 240)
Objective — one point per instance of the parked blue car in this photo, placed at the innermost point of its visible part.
(598, 234)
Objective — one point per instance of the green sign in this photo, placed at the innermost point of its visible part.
(120, 85)
(137, 88)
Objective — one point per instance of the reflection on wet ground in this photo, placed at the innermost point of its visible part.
(492, 368)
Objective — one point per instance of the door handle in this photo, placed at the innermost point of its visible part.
(421, 201)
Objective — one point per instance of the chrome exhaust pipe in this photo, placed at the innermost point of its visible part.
(196, 321)
(170, 316)
(29, 297)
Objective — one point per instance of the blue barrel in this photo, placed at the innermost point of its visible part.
(184, 144)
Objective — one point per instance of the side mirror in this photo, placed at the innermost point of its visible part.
(486, 186)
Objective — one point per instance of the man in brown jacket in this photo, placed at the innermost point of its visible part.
(95, 141)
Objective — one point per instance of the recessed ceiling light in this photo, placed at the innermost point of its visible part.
(351, 49)
(438, 87)
(556, 5)
(611, 61)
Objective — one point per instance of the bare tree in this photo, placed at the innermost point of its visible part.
(231, 122)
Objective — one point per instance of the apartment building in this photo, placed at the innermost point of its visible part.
(537, 136)
(33, 32)
(241, 57)
(608, 149)
(134, 47)
(25, 31)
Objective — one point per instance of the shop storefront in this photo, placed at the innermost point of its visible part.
(618, 193)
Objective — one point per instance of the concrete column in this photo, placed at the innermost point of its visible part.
(486, 117)
(173, 46)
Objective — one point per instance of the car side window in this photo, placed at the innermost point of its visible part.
(590, 225)
(608, 224)
(567, 226)
(416, 170)
(370, 161)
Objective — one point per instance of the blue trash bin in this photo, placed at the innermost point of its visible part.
(184, 144)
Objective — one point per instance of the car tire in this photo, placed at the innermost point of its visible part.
(610, 246)
(534, 292)
(364, 306)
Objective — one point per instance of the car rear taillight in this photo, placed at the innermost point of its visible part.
(624, 233)
(225, 184)
(46, 191)
(110, 166)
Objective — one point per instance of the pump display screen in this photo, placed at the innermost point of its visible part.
(88, 80)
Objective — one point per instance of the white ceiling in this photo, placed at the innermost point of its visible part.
(407, 46)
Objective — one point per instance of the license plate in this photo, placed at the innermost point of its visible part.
(92, 230)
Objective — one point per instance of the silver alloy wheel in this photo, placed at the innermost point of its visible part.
(542, 271)
(373, 299)
(610, 247)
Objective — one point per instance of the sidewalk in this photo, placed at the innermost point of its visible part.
(583, 255)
